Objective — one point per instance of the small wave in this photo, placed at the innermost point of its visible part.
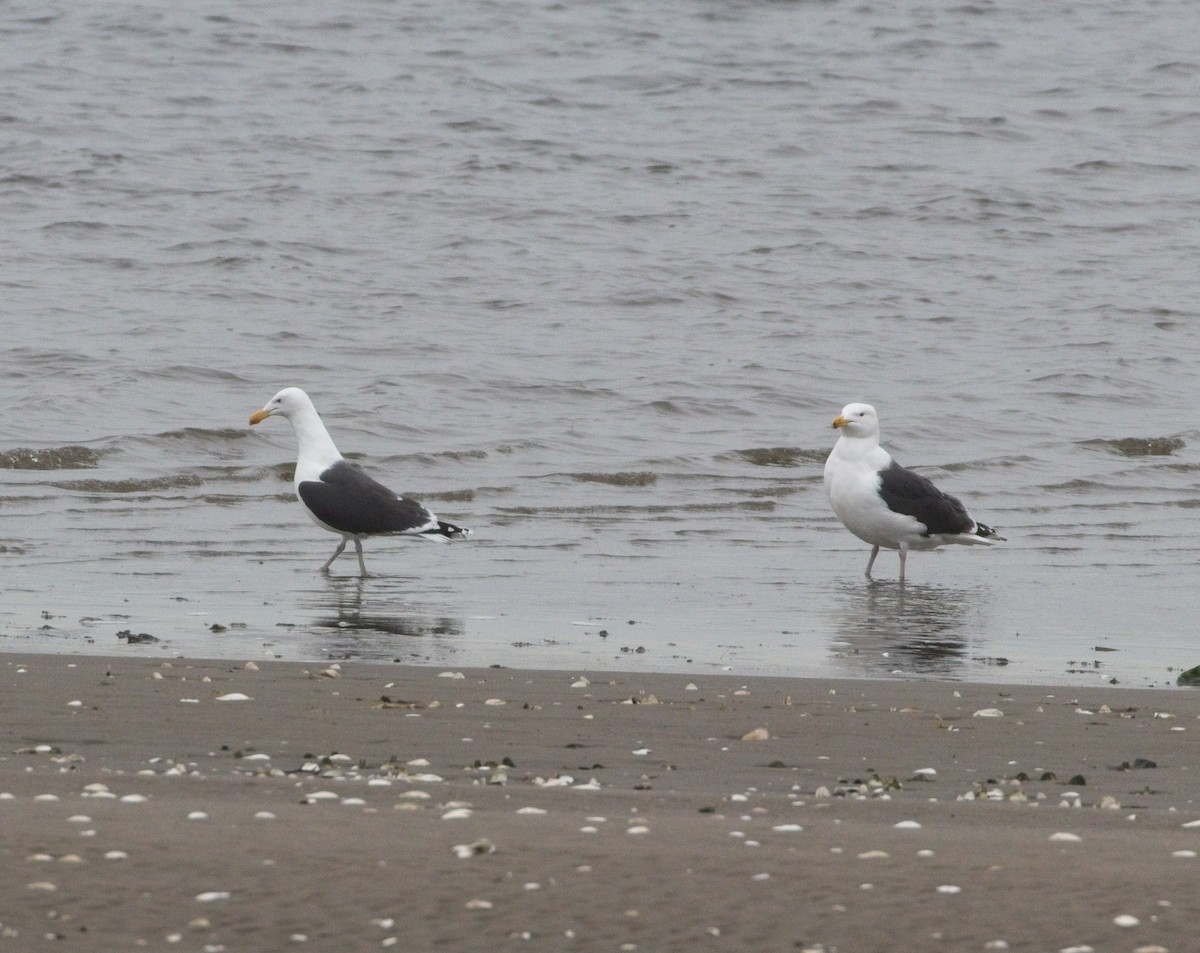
(781, 456)
(1138, 446)
(628, 478)
(757, 506)
(52, 458)
(132, 485)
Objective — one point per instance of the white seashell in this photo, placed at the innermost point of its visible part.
(189, 701)
(1126, 920)
(580, 682)
(116, 855)
(210, 896)
(873, 855)
(474, 849)
(321, 796)
(234, 697)
(926, 772)
(45, 797)
(907, 825)
(949, 888)
(757, 734)
(1065, 837)
(457, 814)
(639, 829)
(422, 778)
(264, 816)
(454, 675)
(479, 905)
(1183, 853)
(787, 828)
(42, 886)
(134, 799)
(532, 810)
(495, 701)
(641, 752)
(197, 816)
(989, 713)
(79, 819)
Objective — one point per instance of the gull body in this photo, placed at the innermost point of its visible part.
(886, 505)
(337, 495)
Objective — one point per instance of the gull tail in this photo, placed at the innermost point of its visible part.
(986, 532)
(445, 530)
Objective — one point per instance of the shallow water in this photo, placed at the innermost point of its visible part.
(593, 280)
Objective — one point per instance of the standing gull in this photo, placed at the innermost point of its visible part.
(338, 496)
(886, 505)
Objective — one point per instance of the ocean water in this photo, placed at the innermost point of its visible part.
(593, 279)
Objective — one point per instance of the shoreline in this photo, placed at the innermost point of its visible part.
(212, 805)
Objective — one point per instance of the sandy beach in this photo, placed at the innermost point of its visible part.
(211, 806)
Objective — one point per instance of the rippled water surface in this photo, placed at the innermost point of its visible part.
(593, 279)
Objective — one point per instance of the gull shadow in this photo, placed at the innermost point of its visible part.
(377, 618)
(906, 630)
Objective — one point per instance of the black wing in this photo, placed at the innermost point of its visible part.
(913, 495)
(352, 502)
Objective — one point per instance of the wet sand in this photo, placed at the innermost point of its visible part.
(146, 804)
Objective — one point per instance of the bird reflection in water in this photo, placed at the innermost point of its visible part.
(914, 630)
(367, 615)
